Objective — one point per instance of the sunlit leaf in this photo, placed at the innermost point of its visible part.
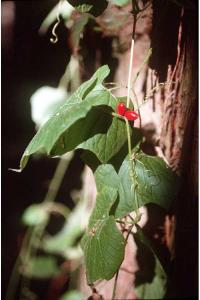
(71, 125)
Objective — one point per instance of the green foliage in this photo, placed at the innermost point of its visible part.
(89, 6)
(151, 279)
(41, 267)
(120, 2)
(153, 182)
(34, 215)
(64, 242)
(103, 248)
(103, 244)
(86, 121)
(72, 295)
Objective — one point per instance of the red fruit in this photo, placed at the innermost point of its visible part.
(121, 108)
(131, 115)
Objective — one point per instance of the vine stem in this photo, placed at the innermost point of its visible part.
(130, 72)
(115, 285)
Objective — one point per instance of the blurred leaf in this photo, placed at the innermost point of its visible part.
(34, 215)
(41, 267)
(120, 2)
(151, 279)
(45, 102)
(72, 295)
(89, 6)
(62, 242)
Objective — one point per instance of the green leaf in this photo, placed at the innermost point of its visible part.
(103, 244)
(151, 279)
(153, 182)
(89, 6)
(120, 2)
(54, 137)
(34, 215)
(104, 250)
(106, 144)
(72, 295)
(41, 267)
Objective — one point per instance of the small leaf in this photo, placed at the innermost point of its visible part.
(72, 295)
(41, 267)
(34, 215)
(89, 6)
(151, 278)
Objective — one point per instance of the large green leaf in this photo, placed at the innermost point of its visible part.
(153, 182)
(89, 6)
(151, 278)
(73, 123)
(103, 244)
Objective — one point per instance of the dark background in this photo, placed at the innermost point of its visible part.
(29, 61)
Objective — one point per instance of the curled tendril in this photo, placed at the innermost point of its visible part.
(54, 38)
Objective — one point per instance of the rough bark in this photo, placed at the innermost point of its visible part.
(178, 142)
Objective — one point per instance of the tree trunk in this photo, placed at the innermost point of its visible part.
(179, 136)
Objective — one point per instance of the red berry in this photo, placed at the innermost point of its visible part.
(131, 115)
(121, 108)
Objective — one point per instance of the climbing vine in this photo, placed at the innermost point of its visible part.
(101, 124)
